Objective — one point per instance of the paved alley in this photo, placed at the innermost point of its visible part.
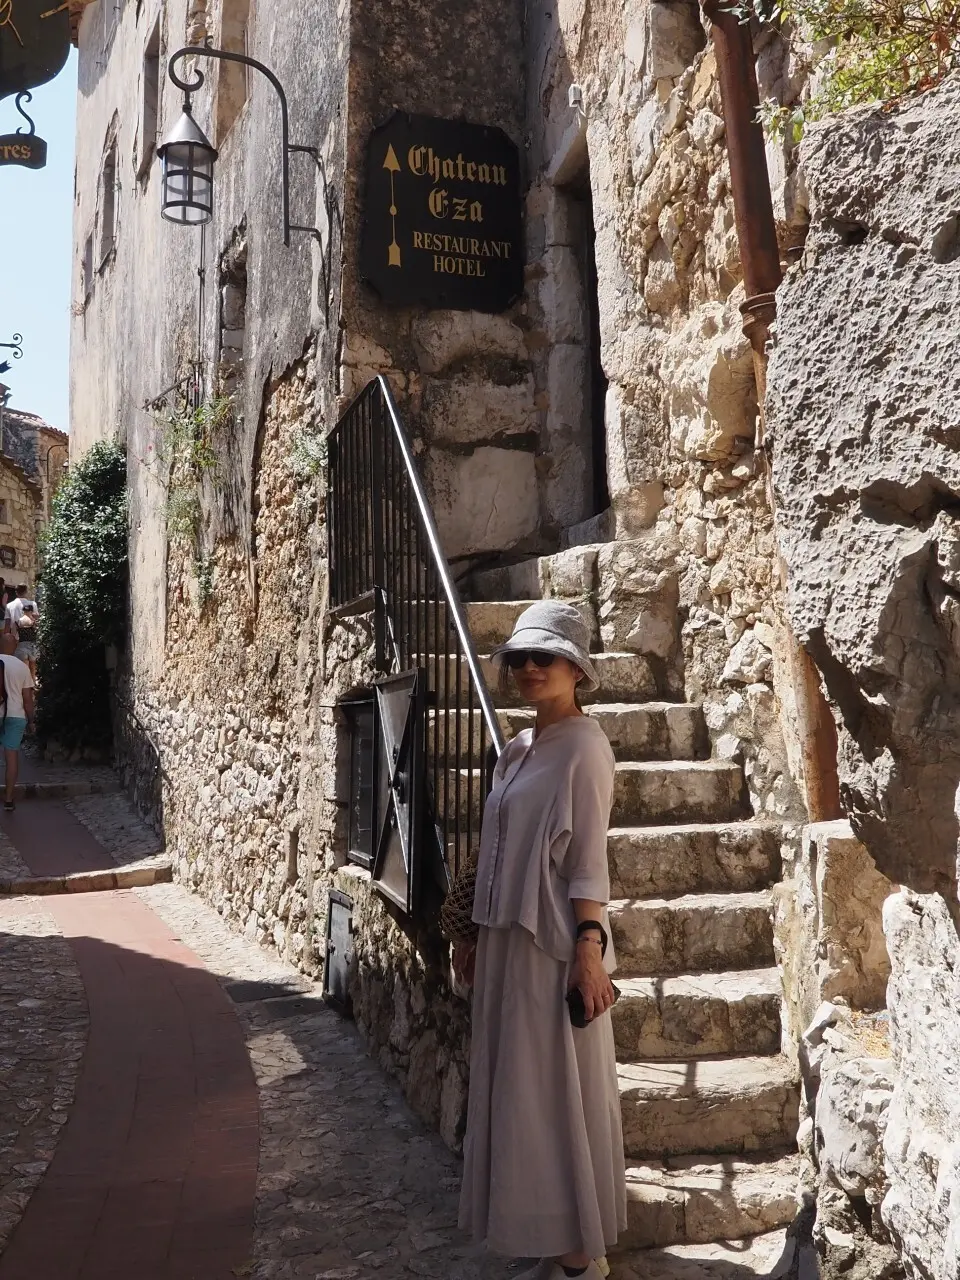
(143, 1082)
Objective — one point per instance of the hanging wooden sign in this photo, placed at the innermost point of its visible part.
(25, 149)
(443, 224)
(34, 43)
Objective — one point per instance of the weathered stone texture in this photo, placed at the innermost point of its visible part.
(863, 384)
(922, 1152)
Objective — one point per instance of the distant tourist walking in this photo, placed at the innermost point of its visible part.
(20, 619)
(17, 707)
(543, 1154)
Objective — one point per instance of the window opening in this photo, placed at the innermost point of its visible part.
(233, 317)
(361, 729)
(3, 511)
(150, 106)
(233, 81)
(8, 557)
(88, 267)
(108, 206)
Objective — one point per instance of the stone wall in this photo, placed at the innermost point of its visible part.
(921, 1209)
(691, 570)
(18, 529)
(861, 407)
(861, 395)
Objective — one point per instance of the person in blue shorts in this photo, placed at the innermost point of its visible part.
(17, 707)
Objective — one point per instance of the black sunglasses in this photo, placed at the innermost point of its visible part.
(516, 659)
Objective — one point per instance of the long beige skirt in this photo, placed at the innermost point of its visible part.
(544, 1171)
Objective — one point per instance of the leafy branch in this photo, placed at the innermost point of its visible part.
(879, 51)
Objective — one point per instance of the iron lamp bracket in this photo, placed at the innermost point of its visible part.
(207, 50)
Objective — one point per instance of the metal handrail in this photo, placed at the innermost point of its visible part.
(454, 603)
(385, 556)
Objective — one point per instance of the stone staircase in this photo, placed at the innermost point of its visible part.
(709, 1104)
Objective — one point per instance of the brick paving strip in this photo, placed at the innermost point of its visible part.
(154, 1176)
(351, 1184)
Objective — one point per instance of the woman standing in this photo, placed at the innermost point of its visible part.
(544, 1169)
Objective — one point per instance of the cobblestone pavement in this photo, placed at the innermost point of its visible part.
(43, 1026)
(12, 866)
(351, 1184)
(114, 822)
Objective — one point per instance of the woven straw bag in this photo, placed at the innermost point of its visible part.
(456, 914)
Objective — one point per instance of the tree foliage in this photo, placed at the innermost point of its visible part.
(877, 50)
(83, 558)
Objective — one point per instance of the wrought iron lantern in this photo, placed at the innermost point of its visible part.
(188, 157)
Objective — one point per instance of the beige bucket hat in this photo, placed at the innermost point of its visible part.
(549, 626)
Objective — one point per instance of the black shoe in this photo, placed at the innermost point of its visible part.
(8, 806)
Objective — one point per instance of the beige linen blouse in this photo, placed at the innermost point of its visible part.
(544, 837)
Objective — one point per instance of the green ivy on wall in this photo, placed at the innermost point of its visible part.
(83, 567)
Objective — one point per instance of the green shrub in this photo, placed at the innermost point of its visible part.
(879, 50)
(83, 558)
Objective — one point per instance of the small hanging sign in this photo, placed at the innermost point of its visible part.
(25, 149)
(443, 223)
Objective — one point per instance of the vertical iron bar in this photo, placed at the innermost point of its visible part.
(378, 567)
(351, 507)
(368, 498)
(459, 754)
(394, 542)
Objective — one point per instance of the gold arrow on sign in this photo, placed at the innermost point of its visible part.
(393, 165)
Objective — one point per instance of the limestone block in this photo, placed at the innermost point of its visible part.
(637, 600)
(561, 296)
(570, 574)
(661, 287)
(921, 1209)
(634, 429)
(708, 371)
(750, 660)
(445, 338)
(852, 962)
(676, 37)
(866, 468)
(483, 501)
(706, 129)
(851, 1115)
(467, 411)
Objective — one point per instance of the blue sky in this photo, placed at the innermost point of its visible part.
(36, 226)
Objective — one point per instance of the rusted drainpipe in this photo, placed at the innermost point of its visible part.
(760, 258)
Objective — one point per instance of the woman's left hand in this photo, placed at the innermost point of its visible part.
(593, 980)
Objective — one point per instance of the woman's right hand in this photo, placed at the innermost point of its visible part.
(464, 960)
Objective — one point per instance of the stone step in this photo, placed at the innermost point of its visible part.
(700, 1198)
(716, 857)
(696, 933)
(569, 574)
(698, 1014)
(708, 1105)
(641, 731)
(664, 791)
(658, 791)
(775, 1255)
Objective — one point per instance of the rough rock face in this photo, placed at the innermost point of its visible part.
(922, 1145)
(863, 390)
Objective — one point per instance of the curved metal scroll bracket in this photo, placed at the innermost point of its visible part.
(25, 96)
(16, 350)
(206, 50)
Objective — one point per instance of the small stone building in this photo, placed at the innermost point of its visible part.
(21, 506)
(591, 432)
